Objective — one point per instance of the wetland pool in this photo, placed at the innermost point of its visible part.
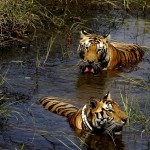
(31, 127)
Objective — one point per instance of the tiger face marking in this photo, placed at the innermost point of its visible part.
(97, 52)
(92, 50)
(106, 116)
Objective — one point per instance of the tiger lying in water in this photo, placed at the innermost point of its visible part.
(104, 116)
(98, 53)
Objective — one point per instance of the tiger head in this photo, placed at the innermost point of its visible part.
(104, 115)
(92, 50)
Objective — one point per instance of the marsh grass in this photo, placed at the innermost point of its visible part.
(67, 140)
(137, 111)
(3, 78)
(22, 147)
(138, 5)
(3, 108)
(135, 82)
(4, 111)
(15, 17)
(5, 104)
(64, 138)
(49, 47)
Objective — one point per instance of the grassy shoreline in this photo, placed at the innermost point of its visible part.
(18, 17)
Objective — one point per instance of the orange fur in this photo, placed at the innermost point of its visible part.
(97, 115)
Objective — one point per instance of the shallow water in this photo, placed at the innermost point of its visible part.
(31, 127)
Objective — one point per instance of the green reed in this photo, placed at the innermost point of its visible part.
(137, 109)
(3, 106)
(15, 18)
(5, 110)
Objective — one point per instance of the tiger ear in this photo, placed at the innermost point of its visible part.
(93, 103)
(108, 36)
(83, 33)
(107, 96)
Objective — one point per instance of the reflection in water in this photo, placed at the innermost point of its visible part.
(100, 141)
(89, 85)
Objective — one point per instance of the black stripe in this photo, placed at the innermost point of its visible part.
(64, 111)
(50, 107)
(63, 105)
(45, 103)
(68, 109)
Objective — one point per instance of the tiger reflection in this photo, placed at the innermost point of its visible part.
(100, 141)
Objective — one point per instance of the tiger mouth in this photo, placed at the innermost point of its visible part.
(109, 129)
(115, 128)
(118, 129)
(89, 68)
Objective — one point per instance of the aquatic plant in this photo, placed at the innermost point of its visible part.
(3, 107)
(5, 100)
(137, 112)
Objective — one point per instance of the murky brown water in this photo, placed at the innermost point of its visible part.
(33, 128)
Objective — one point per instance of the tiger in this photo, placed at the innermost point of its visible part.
(97, 53)
(98, 115)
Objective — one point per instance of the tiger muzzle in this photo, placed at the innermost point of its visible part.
(89, 67)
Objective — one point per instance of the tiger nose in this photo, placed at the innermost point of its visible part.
(90, 61)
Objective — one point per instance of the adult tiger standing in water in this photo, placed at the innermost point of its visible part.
(104, 116)
(98, 53)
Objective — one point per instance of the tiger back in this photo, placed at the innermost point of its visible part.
(99, 115)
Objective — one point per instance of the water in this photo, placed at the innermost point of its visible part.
(31, 127)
